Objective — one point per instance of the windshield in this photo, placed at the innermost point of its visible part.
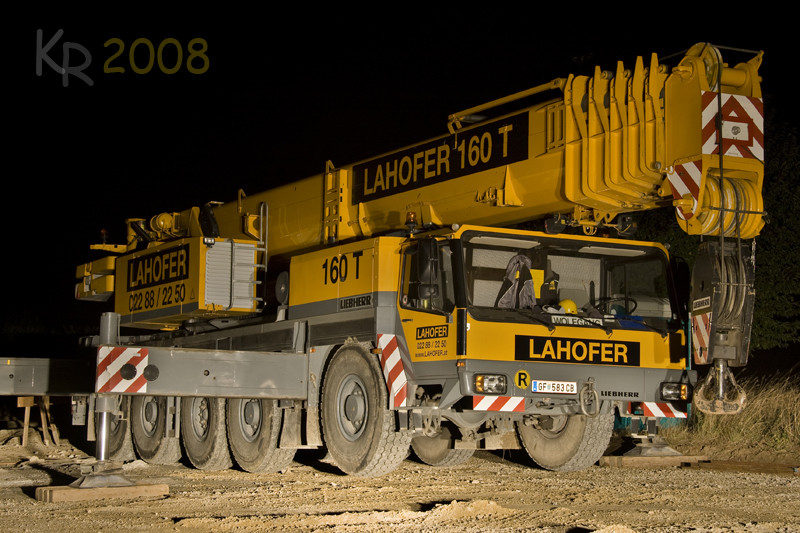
(604, 281)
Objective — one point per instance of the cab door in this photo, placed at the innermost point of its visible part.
(427, 301)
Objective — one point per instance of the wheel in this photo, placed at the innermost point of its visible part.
(120, 445)
(253, 434)
(574, 442)
(438, 450)
(203, 433)
(358, 427)
(148, 426)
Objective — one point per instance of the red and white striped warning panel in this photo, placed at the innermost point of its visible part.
(661, 410)
(393, 370)
(498, 403)
(685, 181)
(742, 125)
(701, 330)
(110, 362)
(742, 135)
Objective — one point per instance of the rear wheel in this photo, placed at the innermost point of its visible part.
(569, 443)
(357, 425)
(253, 431)
(203, 433)
(438, 450)
(148, 426)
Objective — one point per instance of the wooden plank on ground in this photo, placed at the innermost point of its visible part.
(651, 461)
(745, 466)
(72, 494)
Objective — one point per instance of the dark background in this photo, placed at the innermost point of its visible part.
(285, 91)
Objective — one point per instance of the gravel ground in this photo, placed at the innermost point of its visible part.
(491, 492)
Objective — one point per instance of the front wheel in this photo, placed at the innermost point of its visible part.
(439, 451)
(357, 425)
(567, 442)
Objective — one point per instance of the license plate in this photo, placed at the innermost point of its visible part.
(555, 387)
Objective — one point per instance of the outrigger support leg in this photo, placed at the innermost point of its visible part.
(102, 474)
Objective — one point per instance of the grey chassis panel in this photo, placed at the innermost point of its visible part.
(634, 384)
(184, 309)
(332, 307)
(46, 377)
(187, 372)
(225, 363)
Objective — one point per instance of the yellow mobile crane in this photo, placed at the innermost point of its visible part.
(399, 302)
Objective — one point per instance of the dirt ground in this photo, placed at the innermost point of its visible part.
(491, 492)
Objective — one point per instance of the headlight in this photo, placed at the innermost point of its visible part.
(490, 383)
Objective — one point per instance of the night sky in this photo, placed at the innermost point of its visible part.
(271, 99)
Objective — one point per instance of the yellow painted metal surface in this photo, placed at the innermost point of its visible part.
(348, 275)
(430, 336)
(162, 287)
(96, 279)
(496, 341)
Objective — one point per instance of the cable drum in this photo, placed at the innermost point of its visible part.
(732, 290)
(736, 208)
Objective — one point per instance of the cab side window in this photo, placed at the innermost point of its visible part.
(428, 277)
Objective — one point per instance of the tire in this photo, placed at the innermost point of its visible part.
(253, 434)
(357, 426)
(439, 451)
(120, 444)
(575, 443)
(148, 427)
(203, 433)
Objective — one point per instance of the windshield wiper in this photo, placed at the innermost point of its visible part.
(532, 315)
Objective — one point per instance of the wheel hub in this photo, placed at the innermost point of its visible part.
(149, 416)
(250, 419)
(200, 417)
(353, 408)
(150, 412)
